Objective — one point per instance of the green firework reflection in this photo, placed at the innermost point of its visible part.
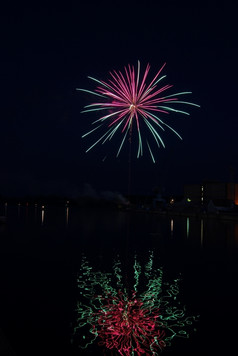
(134, 321)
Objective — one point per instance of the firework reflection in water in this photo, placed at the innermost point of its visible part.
(131, 321)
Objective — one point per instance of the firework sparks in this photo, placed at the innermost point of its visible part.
(129, 99)
(134, 322)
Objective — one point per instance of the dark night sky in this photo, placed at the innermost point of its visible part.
(46, 52)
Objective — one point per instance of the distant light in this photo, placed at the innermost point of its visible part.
(189, 200)
(172, 201)
(202, 194)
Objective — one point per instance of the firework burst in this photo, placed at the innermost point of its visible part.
(129, 99)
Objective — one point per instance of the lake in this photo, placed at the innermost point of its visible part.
(42, 250)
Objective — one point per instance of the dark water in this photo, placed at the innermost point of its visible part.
(40, 256)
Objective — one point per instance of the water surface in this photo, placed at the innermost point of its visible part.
(41, 252)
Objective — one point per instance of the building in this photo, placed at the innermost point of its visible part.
(219, 192)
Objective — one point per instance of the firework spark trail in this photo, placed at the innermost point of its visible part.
(127, 99)
(132, 322)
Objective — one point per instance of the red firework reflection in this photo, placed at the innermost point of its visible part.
(131, 322)
(129, 326)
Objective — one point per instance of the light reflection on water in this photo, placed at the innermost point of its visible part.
(210, 230)
(172, 226)
(140, 317)
(202, 231)
(187, 227)
(40, 257)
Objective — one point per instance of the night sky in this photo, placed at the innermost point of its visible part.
(47, 52)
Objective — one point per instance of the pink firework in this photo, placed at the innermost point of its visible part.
(130, 98)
